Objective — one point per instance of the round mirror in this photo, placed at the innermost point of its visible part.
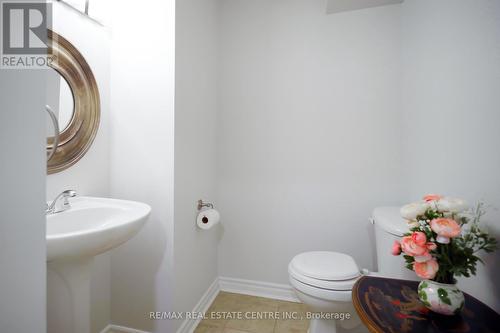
(72, 105)
(60, 100)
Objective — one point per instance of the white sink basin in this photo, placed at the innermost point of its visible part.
(93, 226)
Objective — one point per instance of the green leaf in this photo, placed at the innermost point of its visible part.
(443, 296)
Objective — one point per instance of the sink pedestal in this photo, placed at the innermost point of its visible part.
(68, 296)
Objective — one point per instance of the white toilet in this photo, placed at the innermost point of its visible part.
(323, 280)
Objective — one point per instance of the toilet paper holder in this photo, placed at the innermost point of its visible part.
(202, 204)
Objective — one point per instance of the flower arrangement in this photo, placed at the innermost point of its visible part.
(444, 238)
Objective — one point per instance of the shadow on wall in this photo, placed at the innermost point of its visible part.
(492, 263)
(137, 294)
(370, 227)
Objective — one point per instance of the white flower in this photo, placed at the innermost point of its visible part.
(413, 224)
(411, 211)
(452, 205)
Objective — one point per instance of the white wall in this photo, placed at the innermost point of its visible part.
(142, 157)
(450, 99)
(195, 157)
(309, 139)
(22, 193)
(90, 175)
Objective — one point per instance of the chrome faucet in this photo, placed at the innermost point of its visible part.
(58, 205)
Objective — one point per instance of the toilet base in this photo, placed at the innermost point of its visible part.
(322, 326)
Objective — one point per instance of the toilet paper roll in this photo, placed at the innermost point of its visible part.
(207, 218)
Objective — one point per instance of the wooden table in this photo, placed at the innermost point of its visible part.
(392, 306)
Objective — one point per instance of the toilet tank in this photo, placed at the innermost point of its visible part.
(390, 226)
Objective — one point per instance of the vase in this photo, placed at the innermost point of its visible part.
(442, 298)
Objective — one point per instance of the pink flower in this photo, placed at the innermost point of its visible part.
(396, 248)
(426, 270)
(431, 246)
(445, 228)
(432, 197)
(423, 258)
(419, 238)
(411, 248)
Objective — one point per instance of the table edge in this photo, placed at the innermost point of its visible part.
(369, 323)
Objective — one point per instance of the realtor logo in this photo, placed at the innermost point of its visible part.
(24, 34)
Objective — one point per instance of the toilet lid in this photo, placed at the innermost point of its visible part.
(389, 219)
(324, 265)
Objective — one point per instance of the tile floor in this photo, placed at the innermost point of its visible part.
(280, 316)
(233, 305)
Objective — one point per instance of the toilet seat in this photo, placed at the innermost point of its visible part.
(320, 293)
(326, 270)
(341, 285)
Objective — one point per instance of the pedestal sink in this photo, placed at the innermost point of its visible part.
(90, 227)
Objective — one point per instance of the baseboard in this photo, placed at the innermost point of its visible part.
(282, 292)
(120, 329)
(189, 325)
